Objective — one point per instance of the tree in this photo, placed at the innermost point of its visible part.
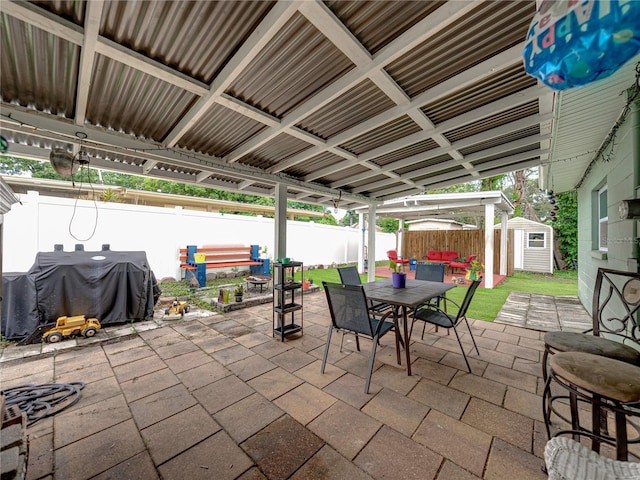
(566, 226)
(10, 165)
(388, 225)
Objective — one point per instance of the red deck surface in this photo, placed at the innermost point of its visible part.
(385, 272)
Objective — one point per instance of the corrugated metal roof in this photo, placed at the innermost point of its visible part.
(196, 38)
(324, 160)
(502, 139)
(586, 115)
(126, 100)
(358, 104)
(199, 91)
(409, 151)
(297, 63)
(431, 162)
(531, 148)
(342, 174)
(272, 152)
(71, 10)
(398, 128)
(375, 24)
(503, 118)
(39, 73)
(490, 28)
(220, 131)
(503, 83)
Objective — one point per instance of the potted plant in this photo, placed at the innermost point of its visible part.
(474, 270)
(239, 293)
(398, 277)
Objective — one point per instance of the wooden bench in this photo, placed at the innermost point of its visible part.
(221, 256)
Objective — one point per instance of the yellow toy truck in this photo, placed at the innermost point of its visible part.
(177, 307)
(68, 326)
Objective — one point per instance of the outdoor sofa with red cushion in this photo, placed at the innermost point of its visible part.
(442, 256)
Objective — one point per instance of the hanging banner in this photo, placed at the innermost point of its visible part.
(573, 43)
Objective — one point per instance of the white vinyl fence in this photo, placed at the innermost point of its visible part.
(40, 222)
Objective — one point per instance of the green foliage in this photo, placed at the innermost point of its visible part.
(388, 225)
(327, 220)
(566, 225)
(10, 165)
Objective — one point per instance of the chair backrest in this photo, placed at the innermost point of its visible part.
(616, 306)
(392, 254)
(433, 272)
(349, 276)
(348, 307)
(471, 258)
(464, 306)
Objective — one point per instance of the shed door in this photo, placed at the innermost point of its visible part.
(518, 249)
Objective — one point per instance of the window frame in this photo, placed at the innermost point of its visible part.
(602, 219)
(544, 240)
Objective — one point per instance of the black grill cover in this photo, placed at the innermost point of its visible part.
(114, 287)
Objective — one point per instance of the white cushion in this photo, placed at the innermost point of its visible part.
(567, 459)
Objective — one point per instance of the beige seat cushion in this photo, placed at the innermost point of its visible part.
(601, 375)
(587, 343)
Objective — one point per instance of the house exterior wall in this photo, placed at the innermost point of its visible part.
(621, 175)
(40, 222)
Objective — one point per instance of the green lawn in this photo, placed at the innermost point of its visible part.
(487, 302)
(485, 305)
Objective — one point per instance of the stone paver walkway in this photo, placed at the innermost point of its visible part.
(544, 312)
(216, 397)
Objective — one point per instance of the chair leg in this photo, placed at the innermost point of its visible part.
(464, 355)
(326, 349)
(397, 335)
(546, 406)
(545, 357)
(471, 333)
(424, 326)
(372, 357)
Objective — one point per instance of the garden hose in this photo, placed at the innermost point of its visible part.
(40, 401)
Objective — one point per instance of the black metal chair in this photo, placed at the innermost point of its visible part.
(350, 313)
(615, 310)
(433, 314)
(350, 276)
(430, 272)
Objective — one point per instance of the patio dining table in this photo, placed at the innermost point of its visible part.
(413, 295)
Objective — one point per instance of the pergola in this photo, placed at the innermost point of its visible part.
(323, 102)
(451, 205)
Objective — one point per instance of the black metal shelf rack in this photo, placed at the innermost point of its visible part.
(287, 300)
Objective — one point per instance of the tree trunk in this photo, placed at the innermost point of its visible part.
(557, 255)
(519, 185)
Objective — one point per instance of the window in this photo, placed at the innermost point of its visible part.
(603, 219)
(536, 239)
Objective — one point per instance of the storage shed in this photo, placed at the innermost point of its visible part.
(532, 245)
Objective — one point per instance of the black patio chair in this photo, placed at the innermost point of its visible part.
(435, 315)
(430, 272)
(349, 308)
(350, 276)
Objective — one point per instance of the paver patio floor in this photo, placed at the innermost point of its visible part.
(216, 397)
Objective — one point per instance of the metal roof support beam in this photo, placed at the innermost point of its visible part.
(101, 139)
(88, 53)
